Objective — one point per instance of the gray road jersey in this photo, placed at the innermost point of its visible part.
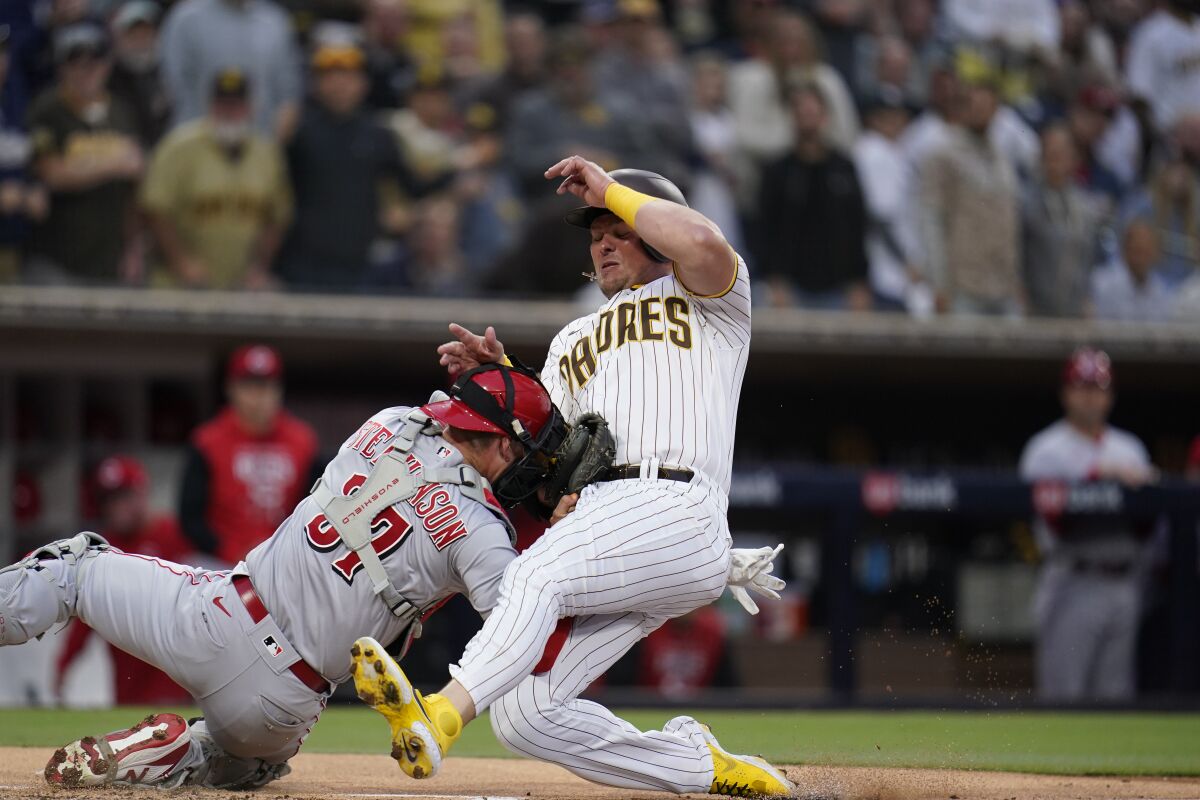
(434, 545)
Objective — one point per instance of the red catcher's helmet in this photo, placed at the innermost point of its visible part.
(1088, 366)
(530, 406)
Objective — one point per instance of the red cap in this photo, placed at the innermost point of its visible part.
(1088, 367)
(531, 406)
(1100, 98)
(118, 473)
(257, 361)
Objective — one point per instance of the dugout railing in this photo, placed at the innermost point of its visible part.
(847, 501)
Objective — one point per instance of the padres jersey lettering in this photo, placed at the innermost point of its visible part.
(664, 367)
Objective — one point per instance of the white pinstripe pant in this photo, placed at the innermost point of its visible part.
(633, 555)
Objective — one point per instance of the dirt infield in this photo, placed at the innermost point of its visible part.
(341, 777)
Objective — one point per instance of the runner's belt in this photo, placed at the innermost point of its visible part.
(631, 472)
(254, 604)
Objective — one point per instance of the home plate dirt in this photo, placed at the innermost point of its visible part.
(343, 777)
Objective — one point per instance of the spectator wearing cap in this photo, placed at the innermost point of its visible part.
(1060, 229)
(1129, 288)
(1089, 116)
(1088, 599)
(883, 172)
(336, 160)
(1009, 132)
(202, 38)
(572, 116)
(86, 153)
(136, 77)
(217, 196)
(429, 130)
(969, 207)
(758, 90)
(120, 488)
(246, 469)
(22, 200)
(812, 218)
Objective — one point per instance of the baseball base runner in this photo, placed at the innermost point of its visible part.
(662, 360)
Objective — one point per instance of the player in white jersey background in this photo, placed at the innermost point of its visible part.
(1088, 603)
(261, 646)
(662, 361)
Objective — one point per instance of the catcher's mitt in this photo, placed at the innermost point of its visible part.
(584, 456)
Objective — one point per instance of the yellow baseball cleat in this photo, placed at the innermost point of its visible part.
(745, 776)
(423, 728)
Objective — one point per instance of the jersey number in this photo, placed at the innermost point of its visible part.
(387, 532)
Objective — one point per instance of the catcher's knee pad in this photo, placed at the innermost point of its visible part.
(70, 550)
(34, 595)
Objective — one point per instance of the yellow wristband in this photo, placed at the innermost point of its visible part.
(504, 360)
(624, 202)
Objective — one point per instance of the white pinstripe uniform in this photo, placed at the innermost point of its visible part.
(665, 368)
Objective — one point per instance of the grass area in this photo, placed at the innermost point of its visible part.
(1084, 743)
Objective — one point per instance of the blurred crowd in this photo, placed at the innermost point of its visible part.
(1003, 157)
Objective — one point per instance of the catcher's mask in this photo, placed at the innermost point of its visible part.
(511, 401)
(639, 180)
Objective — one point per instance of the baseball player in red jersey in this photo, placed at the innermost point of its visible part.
(408, 513)
(662, 361)
(121, 490)
(249, 466)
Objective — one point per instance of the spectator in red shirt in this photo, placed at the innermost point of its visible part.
(121, 489)
(247, 467)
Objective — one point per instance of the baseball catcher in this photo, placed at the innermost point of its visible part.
(409, 512)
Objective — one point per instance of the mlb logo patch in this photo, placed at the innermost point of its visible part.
(444, 452)
(272, 646)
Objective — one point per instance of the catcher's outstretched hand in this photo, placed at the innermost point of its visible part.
(566, 505)
(585, 179)
(469, 350)
(751, 568)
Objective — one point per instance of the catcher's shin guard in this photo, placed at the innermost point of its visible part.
(745, 776)
(146, 754)
(423, 728)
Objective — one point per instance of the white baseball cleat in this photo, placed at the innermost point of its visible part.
(145, 754)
